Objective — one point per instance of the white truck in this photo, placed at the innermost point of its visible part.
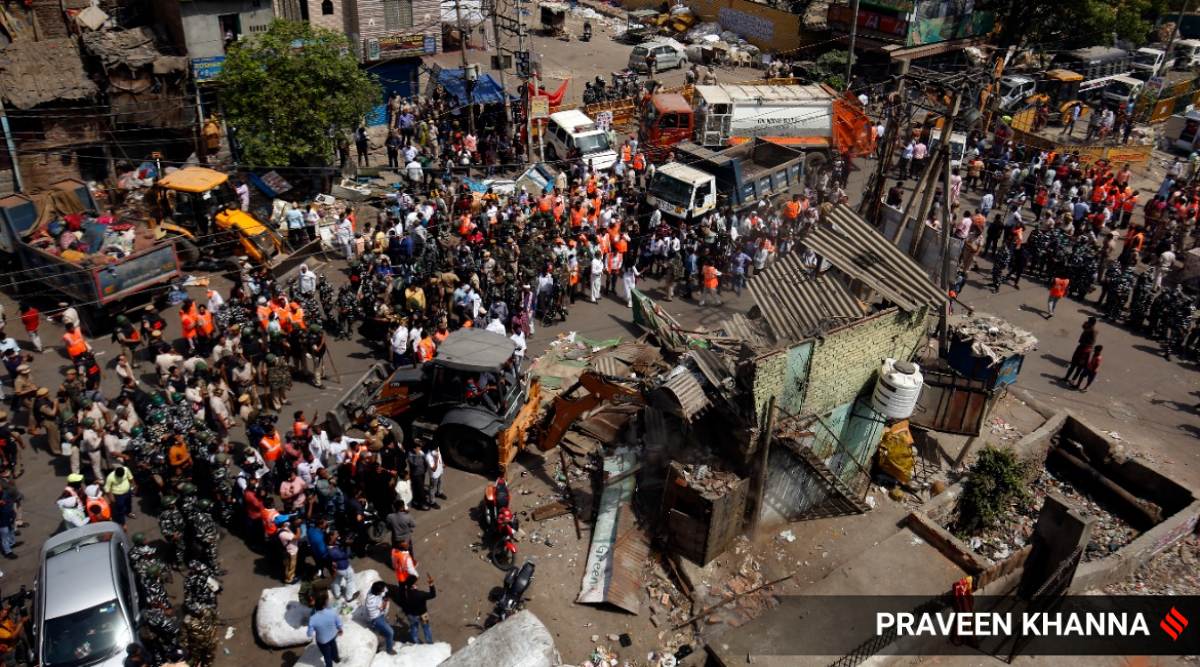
(1150, 62)
(727, 113)
(738, 177)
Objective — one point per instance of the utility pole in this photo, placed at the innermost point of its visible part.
(874, 192)
(944, 315)
(853, 38)
(467, 83)
(943, 156)
(521, 48)
(500, 64)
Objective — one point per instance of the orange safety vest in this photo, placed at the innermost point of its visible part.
(622, 245)
(710, 277)
(264, 315)
(625, 153)
(105, 511)
(285, 320)
(76, 345)
(1058, 289)
(299, 429)
(206, 324)
(577, 217)
(271, 448)
(188, 323)
(559, 208)
(791, 210)
(595, 212)
(545, 204)
(401, 560)
(268, 519)
(1130, 202)
(425, 349)
(639, 162)
(297, 318)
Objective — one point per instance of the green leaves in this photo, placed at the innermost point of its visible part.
(292, 91)
(995, 483)
(1078, 23)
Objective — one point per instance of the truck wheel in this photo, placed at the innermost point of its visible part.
(467, 449)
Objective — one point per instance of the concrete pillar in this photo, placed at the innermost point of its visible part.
(1059, 532)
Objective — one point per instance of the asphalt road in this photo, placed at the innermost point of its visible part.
(1149, 401)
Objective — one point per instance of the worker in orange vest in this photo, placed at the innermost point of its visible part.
(296, 315)
(206, 330)
(263, 311)
(76, 345)
(403, 564)
(187, 322)
(271, 446)
(98, 510)
(712, 279)
(426, 348)
(1058, 289)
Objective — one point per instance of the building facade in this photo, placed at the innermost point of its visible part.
(205, 28)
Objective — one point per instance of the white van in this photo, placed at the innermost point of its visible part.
(1187, 53)
(571, 134)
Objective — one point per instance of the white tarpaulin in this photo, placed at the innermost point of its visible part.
(520, 641)
(356, 647)
(282, 621)
(412, 655)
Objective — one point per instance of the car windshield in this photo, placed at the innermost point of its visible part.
(1146, 58)
(1120, 88)
(671, 189)
(592, 143)
(640, 51)
(85, 637)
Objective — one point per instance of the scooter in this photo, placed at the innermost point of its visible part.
(500, 526)
(512, 595)
(587, 31)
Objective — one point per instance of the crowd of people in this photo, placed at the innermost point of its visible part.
(1075, 226)
(192, 426)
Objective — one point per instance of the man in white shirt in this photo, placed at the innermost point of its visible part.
(399, 343)
(433, 460)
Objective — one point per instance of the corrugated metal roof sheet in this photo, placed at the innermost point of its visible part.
(861, 252)
(620, 548)
(797, 306)
(689, 393)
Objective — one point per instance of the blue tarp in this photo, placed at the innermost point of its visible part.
(487, 90)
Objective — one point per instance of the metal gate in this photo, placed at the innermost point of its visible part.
(951, 403)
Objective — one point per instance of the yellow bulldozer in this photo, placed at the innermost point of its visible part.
(199, 207)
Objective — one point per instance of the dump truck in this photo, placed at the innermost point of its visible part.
(477, 433)
(701, 179)
(101, 280)
(199, 208)
(811, 117)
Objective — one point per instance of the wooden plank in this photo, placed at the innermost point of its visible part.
(550, 510)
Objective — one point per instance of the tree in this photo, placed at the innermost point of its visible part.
(292, 91)
(1072, 24)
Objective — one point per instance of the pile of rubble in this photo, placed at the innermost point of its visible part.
(1109, 533)
(994, 337)
(708, 479)
(1174, 571)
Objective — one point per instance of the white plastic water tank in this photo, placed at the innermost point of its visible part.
(898, 388)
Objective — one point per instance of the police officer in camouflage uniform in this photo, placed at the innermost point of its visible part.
(279, 380)
(171, 525)
(204, 534)
(224, 490)
(315, 350)
(200, 588)
(161, 628)
(200, 636)
(1139, 304)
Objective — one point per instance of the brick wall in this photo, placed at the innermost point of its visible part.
(334, 21)
(770, 374)
(845, 362)
(40, 171)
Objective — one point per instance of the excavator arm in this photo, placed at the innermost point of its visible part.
(567, 407)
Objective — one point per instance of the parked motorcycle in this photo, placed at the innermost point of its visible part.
(587, 31)
(512, 595)
(500, 526)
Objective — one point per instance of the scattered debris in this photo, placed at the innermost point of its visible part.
(1109, 533)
